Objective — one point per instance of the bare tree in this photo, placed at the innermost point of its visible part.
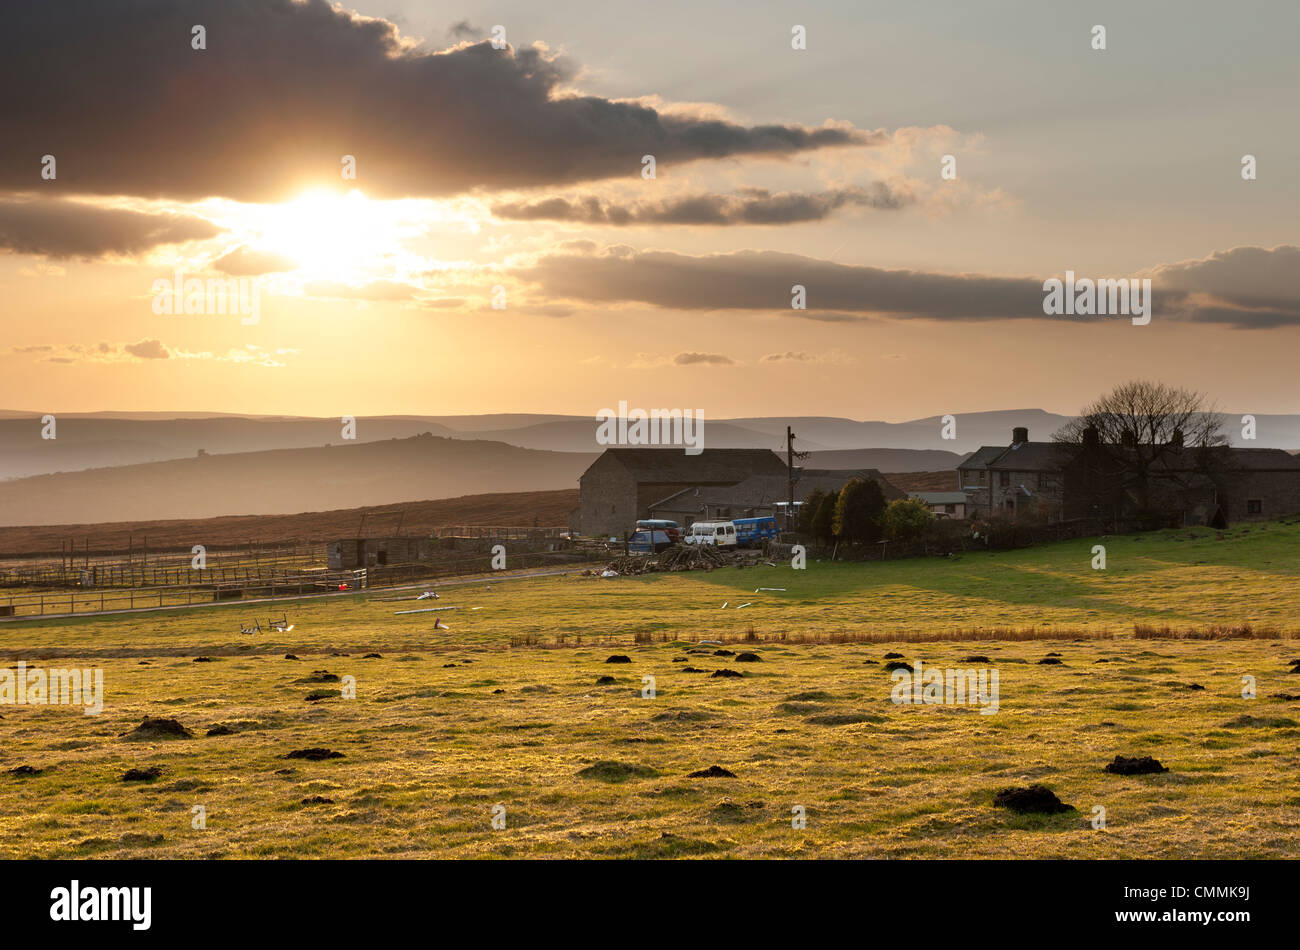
(1144, 431)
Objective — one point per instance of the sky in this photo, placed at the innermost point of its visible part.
(501, 248)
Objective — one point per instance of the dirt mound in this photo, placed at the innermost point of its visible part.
(724, 652)
(319, 676)
(605, 680)
(682, 716)
(618, 658)
(220, 730)
(607, 770)
(749, 658)
(893, 656)
(314, 754)
(1032, 799)
(26, 770)
(372, 656)
(713, 771)
(723, 674)
(158, 728)
(317, 800)
(1049, 661)
(892, 665)
(317, 695)
(290, 656)
(142, 775)
(976, 658)
(204, 659)
(1249, 722)
(841, 719)
(1145, 765)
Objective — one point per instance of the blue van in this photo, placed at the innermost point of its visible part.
(753, 532)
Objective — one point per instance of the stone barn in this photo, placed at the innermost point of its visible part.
(623, 483)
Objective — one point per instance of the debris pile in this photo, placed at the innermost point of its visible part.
(679, 557)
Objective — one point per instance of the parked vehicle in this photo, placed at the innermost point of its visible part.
(658, 524)
(649, 542)
(754, 532)
(721, 534)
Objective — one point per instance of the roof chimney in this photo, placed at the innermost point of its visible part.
(1019, 434)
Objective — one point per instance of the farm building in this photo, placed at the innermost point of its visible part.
(759, 495)
(1051, 481)
(621, 485)
(944, 504)
(352, 553)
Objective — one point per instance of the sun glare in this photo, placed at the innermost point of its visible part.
(335, 236)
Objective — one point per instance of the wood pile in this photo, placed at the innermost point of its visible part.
(679, 557)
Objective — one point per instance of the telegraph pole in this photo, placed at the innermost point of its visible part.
(789, 468)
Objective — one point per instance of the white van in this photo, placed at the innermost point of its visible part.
(721, 534)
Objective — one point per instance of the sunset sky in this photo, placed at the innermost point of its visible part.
(521, 168)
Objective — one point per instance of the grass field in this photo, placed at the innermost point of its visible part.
(504, 708)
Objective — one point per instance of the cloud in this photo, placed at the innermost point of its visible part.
(147, 350)
(58, 228)
(789, 357)
(762, 280)
(754, 206)
(691, 359)
(244, 261)
(285, 89)
(1246, 287)
(465, 30)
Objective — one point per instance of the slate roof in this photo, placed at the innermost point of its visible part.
(672, 464)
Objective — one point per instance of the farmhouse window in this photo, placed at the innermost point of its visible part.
(1004, 479)
(1254, 506)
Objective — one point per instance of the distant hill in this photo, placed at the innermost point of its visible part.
(110, 439)
(287, 480)
(887, 460)
(547, 508)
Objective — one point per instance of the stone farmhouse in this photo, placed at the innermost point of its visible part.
(1049, 481)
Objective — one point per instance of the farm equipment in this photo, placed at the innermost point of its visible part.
(282, 625)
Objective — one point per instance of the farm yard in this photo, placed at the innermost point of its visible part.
(524, 702)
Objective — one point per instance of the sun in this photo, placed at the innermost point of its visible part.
(333, 236)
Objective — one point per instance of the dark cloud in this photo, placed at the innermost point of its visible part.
(691, 359)
(246, 262)
(752, 206)
(1249, 287)
(788, 356)
(762, 280)
(148, 350)
(54, 227)
(1246, 287)
(464, 30)
(285, 89)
